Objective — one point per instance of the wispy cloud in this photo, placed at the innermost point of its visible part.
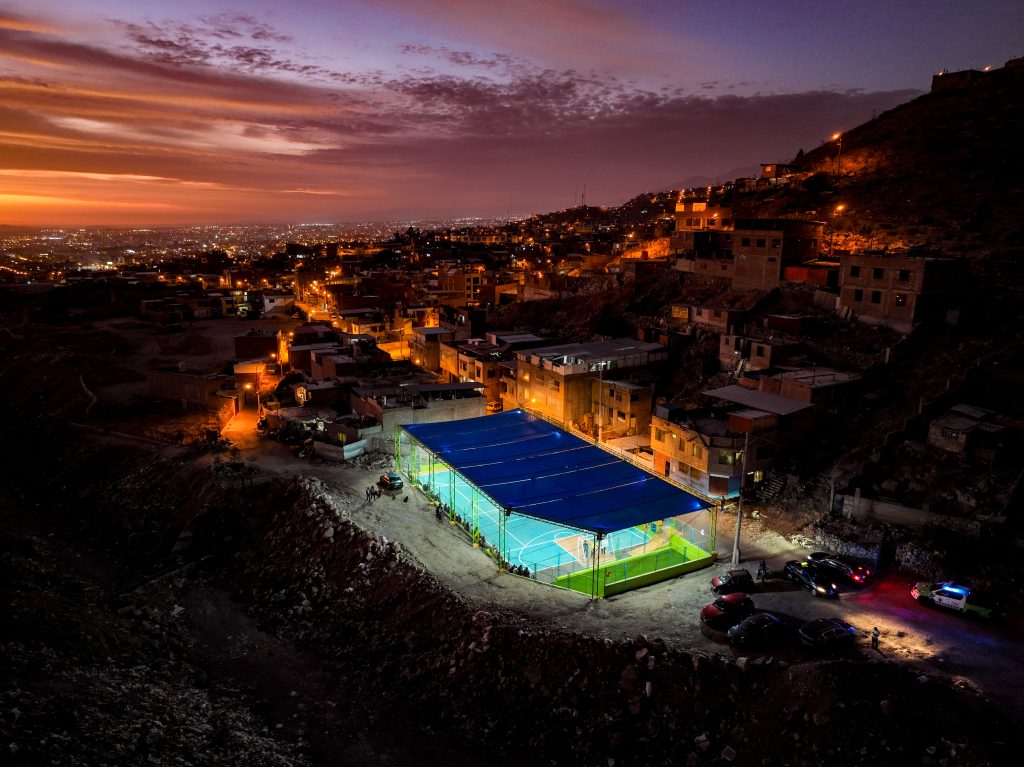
(227, 118)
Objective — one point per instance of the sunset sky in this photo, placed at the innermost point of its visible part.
(124, 112)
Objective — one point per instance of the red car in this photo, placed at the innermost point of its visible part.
(728, 610)
(733, 580)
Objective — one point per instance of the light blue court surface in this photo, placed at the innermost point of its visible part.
(534, 543)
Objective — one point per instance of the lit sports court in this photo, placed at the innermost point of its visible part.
(548, 504)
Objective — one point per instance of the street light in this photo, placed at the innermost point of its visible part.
(739, 502)
(832, 231)
(838, 138)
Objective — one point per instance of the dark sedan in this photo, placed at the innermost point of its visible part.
(819, 581)
(758, 629)
(733, 580)
(826, 633)
(845, 569)
(727, 610)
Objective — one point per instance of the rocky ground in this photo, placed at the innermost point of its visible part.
(169, 611)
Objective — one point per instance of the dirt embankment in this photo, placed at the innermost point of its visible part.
(171, 612)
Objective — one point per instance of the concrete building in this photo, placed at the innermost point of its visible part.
(621, 409)
(898, 292)
(425, 347)
(473, 360)
(479, 359)
(393, 405)
(557, 380)
(703, 449)
(967, 429)
(258, 344)
(465, 281)
(762, 247)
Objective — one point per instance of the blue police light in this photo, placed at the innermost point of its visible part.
(959, 590)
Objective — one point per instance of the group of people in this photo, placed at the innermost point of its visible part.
(591, 551)
(373, 493)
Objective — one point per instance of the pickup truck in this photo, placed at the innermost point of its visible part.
(952, 597)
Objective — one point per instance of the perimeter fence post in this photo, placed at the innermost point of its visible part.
(474, 523)
(451, 496)
(502, 539)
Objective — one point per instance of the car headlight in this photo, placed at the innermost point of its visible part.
(820, 588)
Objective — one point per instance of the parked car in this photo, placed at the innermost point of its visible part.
(818, 581)
(953, 597)
(733, 580)
(758, 629)
(727, 610)
(826, 633)
(391, 481)
(850, 570)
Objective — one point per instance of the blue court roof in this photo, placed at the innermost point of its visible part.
(531, 467)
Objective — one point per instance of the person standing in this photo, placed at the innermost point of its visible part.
(874, 638)
(586, 550)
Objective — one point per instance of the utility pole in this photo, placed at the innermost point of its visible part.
(739, 502)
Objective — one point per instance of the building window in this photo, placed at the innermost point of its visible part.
(659, 435)
(725, 458)
(855, 271)
(903, 275)
(951, 433)
(901, 299)
(776, 242)
(876, 296)
(858, 295)
(556, 384)
(745, 242)
(877, 273)
(759, 351)
(634, 397)
(698, 450)
(772, 259)
(695, 472)
(761, 242)
(620, 415)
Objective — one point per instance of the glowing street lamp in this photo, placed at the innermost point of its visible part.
(838, 138)
(832, 232)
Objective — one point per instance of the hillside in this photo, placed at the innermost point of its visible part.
(942, 171)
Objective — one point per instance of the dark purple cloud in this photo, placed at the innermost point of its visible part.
(227, 104)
